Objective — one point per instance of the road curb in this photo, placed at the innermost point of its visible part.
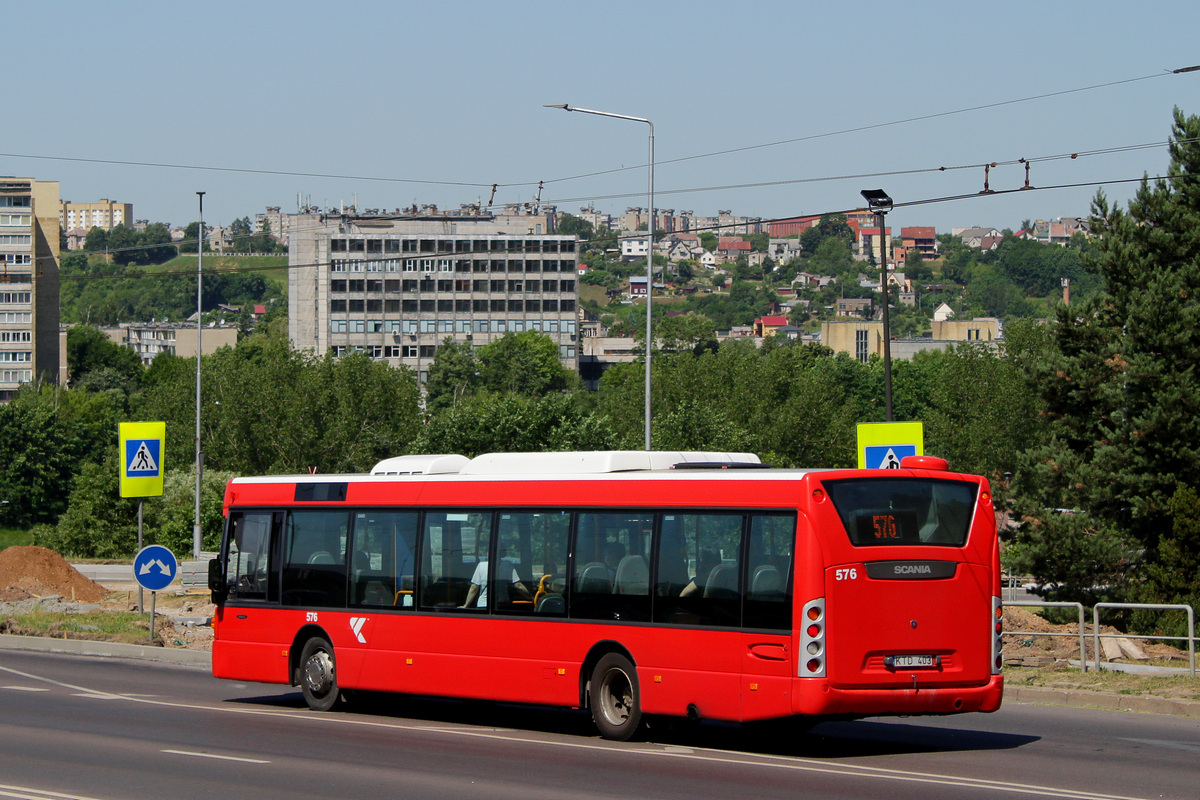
(1115, 702)
(85, 647)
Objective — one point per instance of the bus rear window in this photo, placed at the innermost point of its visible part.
(904, 511)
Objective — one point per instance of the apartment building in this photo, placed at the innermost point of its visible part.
(148, 339)
(396, 286)
(105, 214)
(29, 281)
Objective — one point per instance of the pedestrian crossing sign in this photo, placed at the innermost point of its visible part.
(141, 456)
(882, 445)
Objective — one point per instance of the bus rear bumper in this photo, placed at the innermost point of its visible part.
(817, 697)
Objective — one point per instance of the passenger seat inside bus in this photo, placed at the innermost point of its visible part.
(722, 582)
(633, 576)
(593, 579)
(766, 583)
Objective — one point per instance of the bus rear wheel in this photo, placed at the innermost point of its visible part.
(614, 698)
(318, 674)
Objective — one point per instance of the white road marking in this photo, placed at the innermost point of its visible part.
(25, 688)
(27, 793)
(789, 763)
(214, 755)
(1186, 746)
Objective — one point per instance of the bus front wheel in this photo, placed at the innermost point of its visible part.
(613, 697)
(318, 674)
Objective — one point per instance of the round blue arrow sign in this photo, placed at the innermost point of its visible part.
(154, 567)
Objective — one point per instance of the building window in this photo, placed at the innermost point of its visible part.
(861, 350)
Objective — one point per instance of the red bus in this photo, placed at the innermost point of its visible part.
(698, 585)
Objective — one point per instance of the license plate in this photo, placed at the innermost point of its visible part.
(911, 662)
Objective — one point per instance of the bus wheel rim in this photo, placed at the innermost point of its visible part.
(616, 697)
(318, 672)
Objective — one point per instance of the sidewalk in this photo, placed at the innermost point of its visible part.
(84, 647)
(1081, 698)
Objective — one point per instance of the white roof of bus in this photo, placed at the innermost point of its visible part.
(545, 464)
(594, 462)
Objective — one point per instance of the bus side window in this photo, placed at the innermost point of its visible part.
(769, 564)
(533, 551)
(381, 560)
(314, 565)
(709, 546)
(455, 552)
(248, 562)
(611, 574)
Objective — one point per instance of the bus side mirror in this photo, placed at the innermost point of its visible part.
(216, 581)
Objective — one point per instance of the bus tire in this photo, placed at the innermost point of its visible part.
(614, 698)
(318, 674)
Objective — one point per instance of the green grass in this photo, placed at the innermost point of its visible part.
(11, 537)
(272, 268)
(120, 626)
(1106, 681)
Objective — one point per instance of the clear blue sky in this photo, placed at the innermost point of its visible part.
(432, 102)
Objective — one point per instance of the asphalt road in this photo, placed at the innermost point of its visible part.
(109, 728)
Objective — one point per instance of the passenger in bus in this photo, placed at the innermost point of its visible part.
(709, 560)
(613, 553)
(477, 593)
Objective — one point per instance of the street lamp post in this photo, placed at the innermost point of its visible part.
(649, 244)
(879, 202)
(197, 538)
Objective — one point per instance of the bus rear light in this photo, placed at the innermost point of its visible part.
(998, 636)
(812, 640)
(818, 495)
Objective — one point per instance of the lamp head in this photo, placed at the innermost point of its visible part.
(877, 200)
(563, 106)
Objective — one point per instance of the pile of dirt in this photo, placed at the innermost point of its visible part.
(32, 572)
(1032, 641)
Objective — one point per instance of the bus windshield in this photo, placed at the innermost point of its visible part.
(902, 511)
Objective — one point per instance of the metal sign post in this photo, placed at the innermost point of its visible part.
(154, 567)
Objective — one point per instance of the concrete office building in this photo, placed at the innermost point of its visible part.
(395, 286)
(29, 281)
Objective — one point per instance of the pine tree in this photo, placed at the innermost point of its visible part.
(1122, 391)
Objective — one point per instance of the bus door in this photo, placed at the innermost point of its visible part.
(247, 630)
(768, 662)
(908, 585)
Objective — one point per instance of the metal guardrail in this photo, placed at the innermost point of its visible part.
(1097, 636)
(1050, 604)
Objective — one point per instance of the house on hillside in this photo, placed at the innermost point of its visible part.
(766, 326)
(863, 307)
(732, 248)
(981, 238)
